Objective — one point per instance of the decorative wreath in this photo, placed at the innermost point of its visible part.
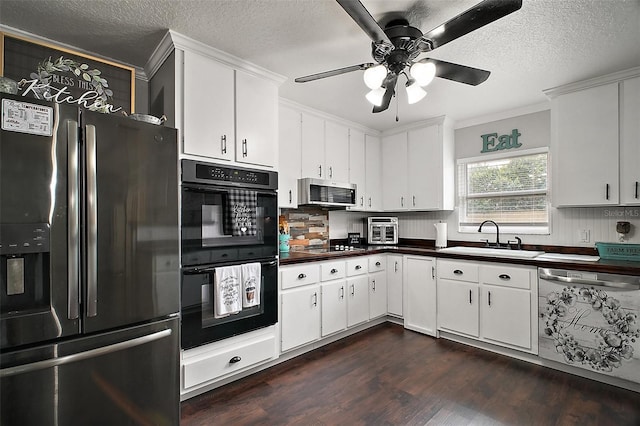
(47, 67)
(614, 344)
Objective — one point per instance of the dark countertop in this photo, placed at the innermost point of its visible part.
(603, 265)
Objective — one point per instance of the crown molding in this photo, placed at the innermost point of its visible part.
(592, 82)
(503, 115)
(173, 40)
(440, 120)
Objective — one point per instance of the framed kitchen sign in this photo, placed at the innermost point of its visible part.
(46, 71)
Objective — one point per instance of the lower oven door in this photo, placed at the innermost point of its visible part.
(201, 325)
(590, 320)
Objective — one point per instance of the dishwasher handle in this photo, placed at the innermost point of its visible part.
(612, 285)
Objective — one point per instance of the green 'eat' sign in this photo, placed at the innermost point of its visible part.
(492, 142)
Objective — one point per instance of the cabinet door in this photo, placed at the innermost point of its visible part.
(334, 307)
(336, 149)
(357, 167)
(290, 148)
(373, 173)
(420, 300)
(584, 132)
(300, 316)
(458, 307)
(394, 172)
(312, 147)
(425, 168)
(630, 142)
(256, 120)
(377, 295)
(357, 300)
(505, 315)
(208, 125)
(394, 285)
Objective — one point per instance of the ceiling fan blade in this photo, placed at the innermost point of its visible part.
(332, 73)
(390, 84)
(459, 73)
(363, 18)
(478, 16)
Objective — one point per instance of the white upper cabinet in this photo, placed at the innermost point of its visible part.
(313, 147)
(357, 167)
(373, 173)
(208, 128)
(394, 173)
(336, 152)
(630, 141)
(584, 143)
(290, 137)
(256, 120)
(419, 168)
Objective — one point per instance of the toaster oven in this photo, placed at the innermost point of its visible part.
(381, 230)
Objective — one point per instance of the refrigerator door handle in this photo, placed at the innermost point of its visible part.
(73, 199)
(93, 353)
(92, 223)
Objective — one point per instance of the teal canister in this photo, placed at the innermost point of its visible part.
(284, 243)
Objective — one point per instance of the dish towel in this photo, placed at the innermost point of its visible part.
(241, 216)
(226, 291)
(251, 280)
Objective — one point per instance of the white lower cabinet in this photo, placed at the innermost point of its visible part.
(491, 302)
(300, 316)
(394, 285)
(420, 294)
(357, 300)
(377, 295)
(334, 307)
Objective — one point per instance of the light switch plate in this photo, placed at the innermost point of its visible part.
(584, 235)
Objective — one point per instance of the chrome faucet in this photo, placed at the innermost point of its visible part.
(497, 232)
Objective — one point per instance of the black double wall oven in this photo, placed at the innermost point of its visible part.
(229, 223)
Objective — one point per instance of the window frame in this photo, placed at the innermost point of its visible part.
(461, 173)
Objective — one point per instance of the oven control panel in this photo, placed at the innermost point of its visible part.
(199, 172)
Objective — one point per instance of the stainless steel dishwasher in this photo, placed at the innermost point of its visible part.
(590, 320)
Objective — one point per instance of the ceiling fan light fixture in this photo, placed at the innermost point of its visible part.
(415, 93)
(374, 76)
(423, 72)
(375, 96)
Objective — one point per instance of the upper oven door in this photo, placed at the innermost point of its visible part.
(224, 224)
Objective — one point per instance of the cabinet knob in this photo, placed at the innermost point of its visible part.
(358, 267)
(377, 263)
(334, 271)
(302, 276)
(458, 272)
(504, 277)
(235, 359)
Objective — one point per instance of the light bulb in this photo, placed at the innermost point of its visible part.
(423, 72)
(415, 93)
(374, 76)
(375, 96)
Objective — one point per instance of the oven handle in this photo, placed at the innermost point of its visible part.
(215, 188)
(614, 285)
(211, 268)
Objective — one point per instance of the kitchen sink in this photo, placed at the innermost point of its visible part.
(492, 252)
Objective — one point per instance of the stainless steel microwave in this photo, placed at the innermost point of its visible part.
(326, 193)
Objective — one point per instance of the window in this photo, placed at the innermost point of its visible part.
(509, 190)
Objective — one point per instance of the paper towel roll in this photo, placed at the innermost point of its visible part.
(441, 234)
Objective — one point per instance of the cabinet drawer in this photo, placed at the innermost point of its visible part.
(376, 263)
(506, 276)
(357, 266)
(332, 271)
(297, 276)
(227, 360)
(457, 270)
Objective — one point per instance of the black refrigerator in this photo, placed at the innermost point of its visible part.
(89, 269)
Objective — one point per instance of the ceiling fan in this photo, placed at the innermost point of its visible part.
(396, 48)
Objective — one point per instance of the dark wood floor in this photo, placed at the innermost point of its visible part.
(388, 375)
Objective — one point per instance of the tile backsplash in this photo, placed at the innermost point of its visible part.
(308, 227)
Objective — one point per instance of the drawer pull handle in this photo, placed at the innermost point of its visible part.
(358, 267)
(504, 277)
(334, 271)
(302, 276)
(489, 298)
(470, 297)
(458, 272)
(377, 263)
(235, 359)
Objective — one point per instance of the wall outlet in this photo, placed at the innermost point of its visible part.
(584, 235)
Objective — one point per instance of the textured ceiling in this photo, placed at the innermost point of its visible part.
(545, 44)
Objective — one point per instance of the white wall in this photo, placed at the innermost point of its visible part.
(565, 223)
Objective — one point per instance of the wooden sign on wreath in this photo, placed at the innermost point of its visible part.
(57, 74)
